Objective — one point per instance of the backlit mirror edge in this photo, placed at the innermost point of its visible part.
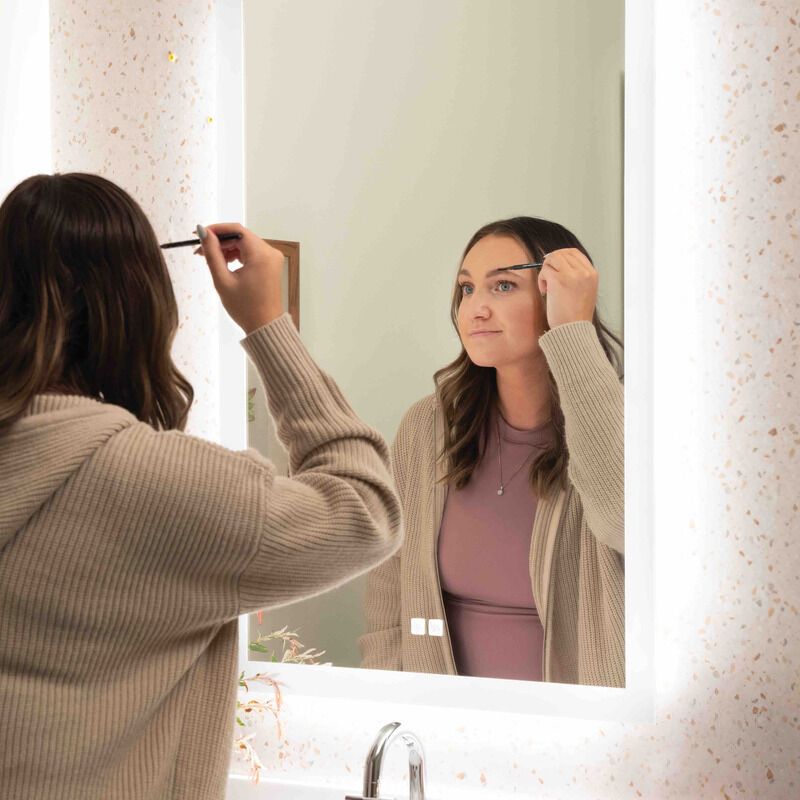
(635, 703)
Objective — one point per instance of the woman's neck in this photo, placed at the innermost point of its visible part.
(523, 392)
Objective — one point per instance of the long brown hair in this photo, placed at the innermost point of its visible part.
(467, 392)
(86, 302)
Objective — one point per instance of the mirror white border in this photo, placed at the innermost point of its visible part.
(636, 701)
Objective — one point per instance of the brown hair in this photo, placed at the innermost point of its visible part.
(468, 393)
(86, 302)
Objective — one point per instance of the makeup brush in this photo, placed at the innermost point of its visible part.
(223, 237)
(525, 266)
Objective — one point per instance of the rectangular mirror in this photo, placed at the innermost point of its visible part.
(381, 137)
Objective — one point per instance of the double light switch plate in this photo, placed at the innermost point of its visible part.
(433, 627)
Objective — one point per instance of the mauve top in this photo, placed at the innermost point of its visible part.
(484, 546)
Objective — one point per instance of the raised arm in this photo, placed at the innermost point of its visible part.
(592, 399)
(338, 514)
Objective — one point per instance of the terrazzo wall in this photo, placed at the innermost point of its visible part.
(133, 88)
(725, 462)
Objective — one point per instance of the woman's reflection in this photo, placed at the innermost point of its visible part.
(512, 480)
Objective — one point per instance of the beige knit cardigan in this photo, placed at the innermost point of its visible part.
(576, 557)
(127, 555)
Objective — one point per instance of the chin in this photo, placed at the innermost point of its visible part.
(482, 359)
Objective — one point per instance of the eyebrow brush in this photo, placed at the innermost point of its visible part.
(525, 266)
(223, 237)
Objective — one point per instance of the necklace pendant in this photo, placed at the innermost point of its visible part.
(500, 490)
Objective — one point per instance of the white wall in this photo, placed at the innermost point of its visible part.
(24, 92)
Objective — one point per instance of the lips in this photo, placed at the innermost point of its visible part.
(482, 333)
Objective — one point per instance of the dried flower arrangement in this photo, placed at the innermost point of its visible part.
(292, 652)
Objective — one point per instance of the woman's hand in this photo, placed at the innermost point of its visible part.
(251, 294)
(570, 282)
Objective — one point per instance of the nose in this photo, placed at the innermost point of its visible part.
(481, 311)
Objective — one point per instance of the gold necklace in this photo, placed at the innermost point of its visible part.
(502, 488)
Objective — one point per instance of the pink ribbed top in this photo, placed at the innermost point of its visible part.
(483, 548)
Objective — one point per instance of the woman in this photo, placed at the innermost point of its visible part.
(128, 549)
(500, 576)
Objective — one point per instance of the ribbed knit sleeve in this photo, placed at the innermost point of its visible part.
(592, 400)
(338, 514)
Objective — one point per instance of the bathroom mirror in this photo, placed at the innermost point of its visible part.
(381, 137)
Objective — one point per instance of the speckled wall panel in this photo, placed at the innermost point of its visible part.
(133, 91)
(727, 630)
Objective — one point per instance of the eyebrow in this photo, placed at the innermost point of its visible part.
(489, 274)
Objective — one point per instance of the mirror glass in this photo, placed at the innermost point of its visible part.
(380, 137)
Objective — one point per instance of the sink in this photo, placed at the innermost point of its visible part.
(240, 787)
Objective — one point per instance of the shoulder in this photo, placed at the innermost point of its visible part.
(187, 486)
(173, 460)
(415, 433)
(417, 423)
(173, 488)
(420, 412)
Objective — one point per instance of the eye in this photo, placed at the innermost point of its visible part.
(507, 284)
(464, 288)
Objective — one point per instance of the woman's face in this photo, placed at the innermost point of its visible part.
(502, 315)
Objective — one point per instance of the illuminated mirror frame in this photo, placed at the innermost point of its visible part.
(635, 702)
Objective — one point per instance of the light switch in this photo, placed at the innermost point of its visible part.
(418, 626)
(435, 627)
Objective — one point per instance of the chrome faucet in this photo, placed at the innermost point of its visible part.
(372, 767)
